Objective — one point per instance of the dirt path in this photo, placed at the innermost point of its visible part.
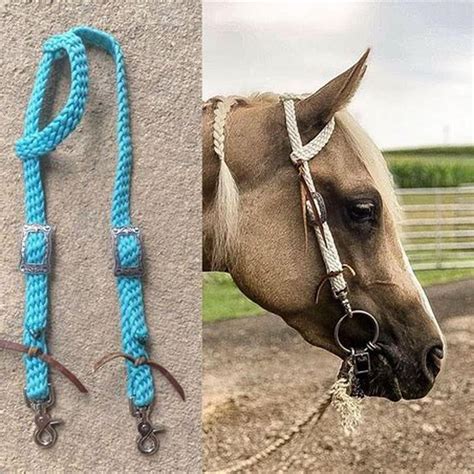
(259, 377)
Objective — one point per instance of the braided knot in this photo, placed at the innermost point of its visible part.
(299, 155)
(33, 147)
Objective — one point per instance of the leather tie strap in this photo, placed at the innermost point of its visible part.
(318, 212)
(37, 352)
(328, 277)
(142, 361)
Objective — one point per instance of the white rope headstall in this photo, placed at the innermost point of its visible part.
(301, 155)
(343, 388)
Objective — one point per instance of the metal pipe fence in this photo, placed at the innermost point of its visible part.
(438, 227)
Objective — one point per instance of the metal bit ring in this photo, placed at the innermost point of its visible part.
(356, 312)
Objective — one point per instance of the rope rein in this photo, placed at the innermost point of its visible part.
(312, 417)
(35, 263)
(338, 395)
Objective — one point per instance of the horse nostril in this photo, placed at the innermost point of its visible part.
(437, 351)
(433, 360)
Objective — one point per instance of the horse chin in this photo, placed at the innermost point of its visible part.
(382, 381)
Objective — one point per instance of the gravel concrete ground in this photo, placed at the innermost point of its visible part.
(260, 377)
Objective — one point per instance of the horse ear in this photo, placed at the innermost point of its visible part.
(320, 107)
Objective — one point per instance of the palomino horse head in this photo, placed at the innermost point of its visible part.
(254, 229)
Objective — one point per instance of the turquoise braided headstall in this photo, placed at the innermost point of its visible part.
(37, 242)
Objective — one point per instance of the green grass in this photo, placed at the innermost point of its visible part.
(426, 171)
(432, 277)
(432, 167)
(223, 300)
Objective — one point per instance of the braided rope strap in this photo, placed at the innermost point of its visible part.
(36, 247)
(35, 143)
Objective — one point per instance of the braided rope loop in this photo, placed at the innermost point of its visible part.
(37, 142)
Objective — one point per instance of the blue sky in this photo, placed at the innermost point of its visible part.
(418, 89)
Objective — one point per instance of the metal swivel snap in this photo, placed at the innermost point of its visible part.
(147, 439)
(45, 434)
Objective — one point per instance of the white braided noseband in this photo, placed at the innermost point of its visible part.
(301, 155)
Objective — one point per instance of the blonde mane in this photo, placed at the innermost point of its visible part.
(226, 203)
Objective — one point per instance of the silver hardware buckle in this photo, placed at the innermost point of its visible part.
(36, 268)
(119, 269)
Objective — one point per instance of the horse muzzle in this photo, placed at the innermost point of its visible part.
(396, 374)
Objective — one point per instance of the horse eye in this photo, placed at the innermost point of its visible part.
(362, 211)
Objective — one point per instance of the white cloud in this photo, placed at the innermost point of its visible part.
(420, 77)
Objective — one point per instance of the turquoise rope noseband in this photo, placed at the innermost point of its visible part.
(37, 142)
